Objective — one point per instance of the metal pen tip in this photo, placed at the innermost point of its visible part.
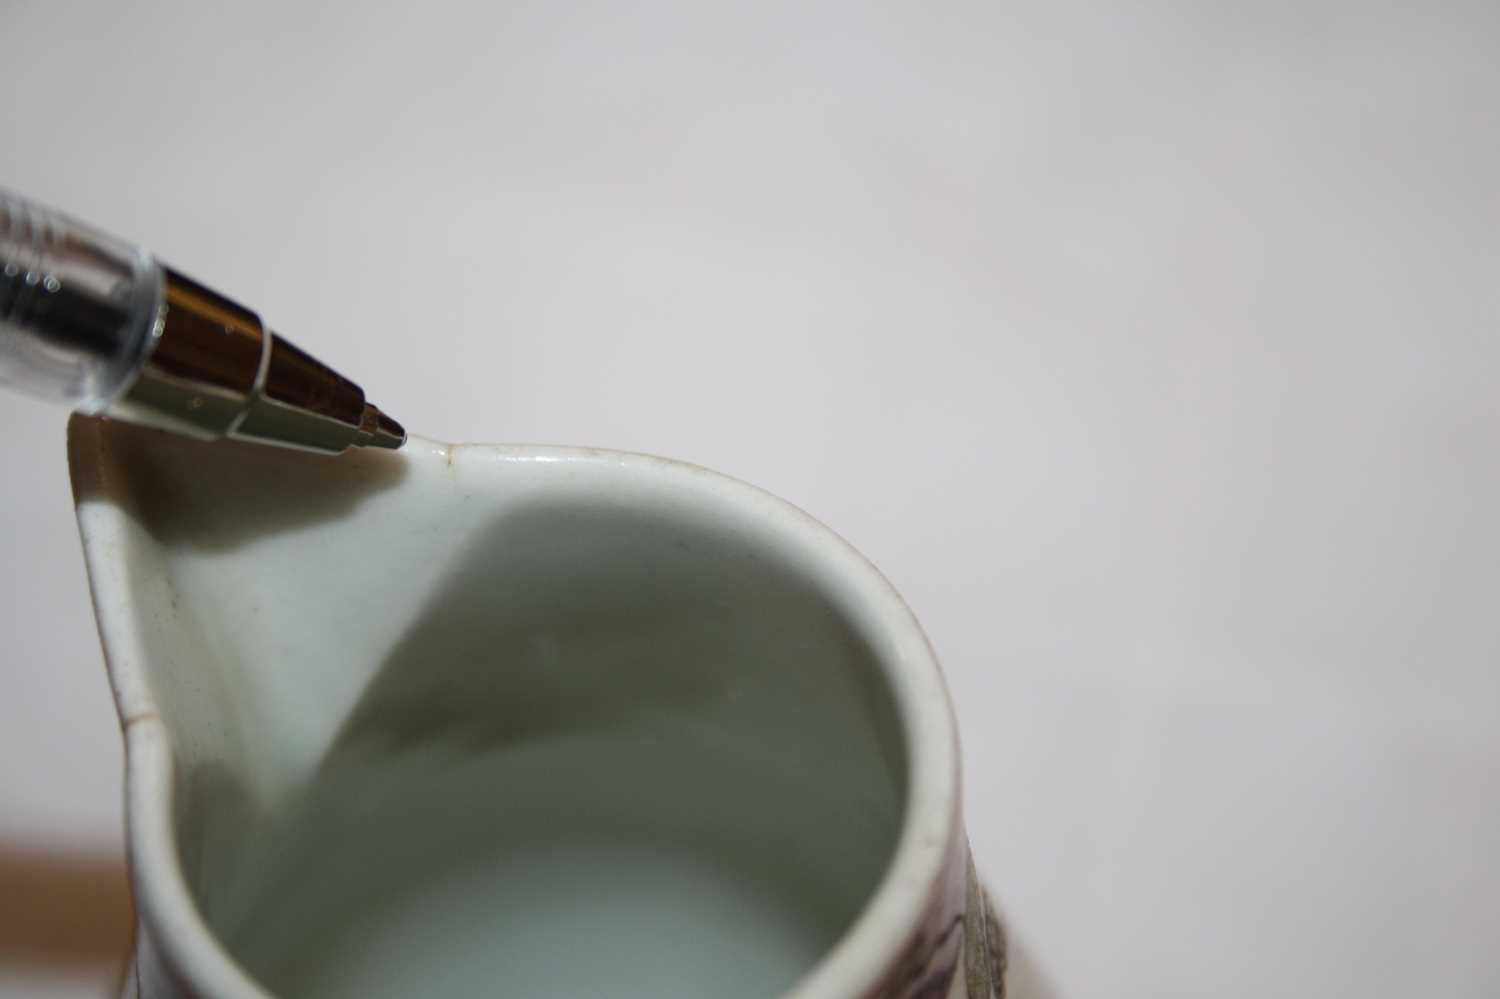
(378, 430)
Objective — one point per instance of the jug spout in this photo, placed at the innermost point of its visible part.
(204, 562)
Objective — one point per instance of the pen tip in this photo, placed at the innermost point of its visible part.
(378, 430)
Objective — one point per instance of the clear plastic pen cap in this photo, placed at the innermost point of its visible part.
(78, 308)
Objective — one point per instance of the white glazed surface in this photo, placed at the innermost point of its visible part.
(267, 633)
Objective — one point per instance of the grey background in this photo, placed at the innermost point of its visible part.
(1148, 348)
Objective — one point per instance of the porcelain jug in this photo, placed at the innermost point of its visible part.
(516, 721)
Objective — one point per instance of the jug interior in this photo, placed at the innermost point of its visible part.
(616, 750)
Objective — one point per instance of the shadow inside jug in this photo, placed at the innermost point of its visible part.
(616, 751)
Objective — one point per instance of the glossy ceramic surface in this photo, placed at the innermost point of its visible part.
(555, 721)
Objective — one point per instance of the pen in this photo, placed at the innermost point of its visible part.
(101, 325)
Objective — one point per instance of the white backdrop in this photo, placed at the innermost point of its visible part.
(1151, 352)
